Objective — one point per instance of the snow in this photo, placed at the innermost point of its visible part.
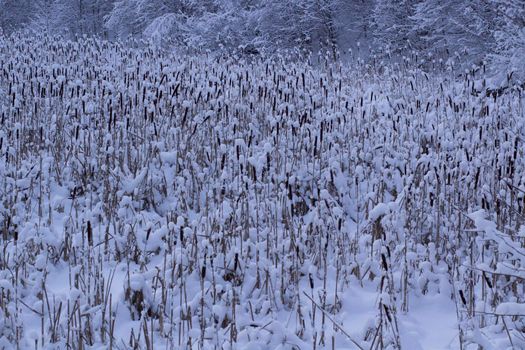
(511, 309)
(431, 323)
(230, 205)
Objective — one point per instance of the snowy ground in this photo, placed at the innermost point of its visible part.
(156, 201)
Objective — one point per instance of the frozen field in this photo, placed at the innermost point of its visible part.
(154, 201)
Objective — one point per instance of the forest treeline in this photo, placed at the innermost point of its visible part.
(475, 30)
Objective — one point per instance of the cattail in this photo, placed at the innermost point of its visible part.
(487, 280)
(89, 234)
(385, 264)
(387, 313)
(463, 300)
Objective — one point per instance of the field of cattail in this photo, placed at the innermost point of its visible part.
(156, 201)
